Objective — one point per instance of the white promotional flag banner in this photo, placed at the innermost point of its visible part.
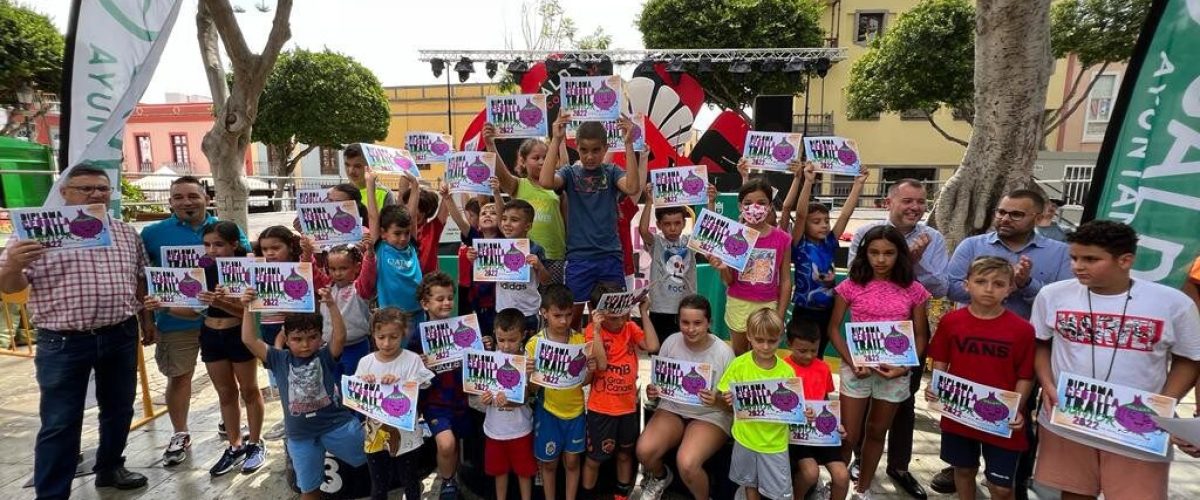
(117, 44)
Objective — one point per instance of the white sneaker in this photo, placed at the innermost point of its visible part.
(866, 495)
(177, 449)
(824, 490)
(276, 432)
(653, 487)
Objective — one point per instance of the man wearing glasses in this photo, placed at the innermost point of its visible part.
(84, 304)
(1038, 261)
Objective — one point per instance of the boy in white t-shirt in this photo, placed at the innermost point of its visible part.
(1108, 326)
(508, 427)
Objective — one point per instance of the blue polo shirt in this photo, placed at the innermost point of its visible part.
(173, 232)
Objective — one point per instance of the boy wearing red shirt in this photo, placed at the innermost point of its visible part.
(987, 344)
(804, 339)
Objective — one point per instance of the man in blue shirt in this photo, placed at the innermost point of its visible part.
(179, 339)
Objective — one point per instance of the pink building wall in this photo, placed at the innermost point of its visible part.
(1070, 136)
(158, 123)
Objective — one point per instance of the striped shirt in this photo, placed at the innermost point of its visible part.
(87, 288)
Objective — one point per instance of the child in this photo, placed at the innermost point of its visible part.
(471, 214)
(592, 189)
(387, 456)
(350, 285)
(548, 228)
(397, 267)
(766, 281)
(514, 223)
(558, 413)
(275, 244)
(813, 249)
(481, 296)
(698, 431)
(1109, 326)
(442, 403)
(612, 417)
(429, 216)
(313, 414)
(881, 287)
(760, 449)
(508, 427)
(963, 347)
(230, 366)
(672, 263)
(803, 338)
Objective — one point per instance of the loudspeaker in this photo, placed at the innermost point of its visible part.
(773, 113)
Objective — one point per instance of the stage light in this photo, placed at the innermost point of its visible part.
(794, 68)
(676, 67)
(490, 67)
(517, 69)
(464, 68)
(770, 65)
(575, 65)
(739, 68)
(705, 65)
(821, 67)
(437, 65)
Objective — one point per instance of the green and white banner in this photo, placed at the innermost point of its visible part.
(1148, 171)
(113, 47)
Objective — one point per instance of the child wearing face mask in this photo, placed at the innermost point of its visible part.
(765, 281)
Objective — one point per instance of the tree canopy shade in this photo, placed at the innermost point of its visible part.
(31, 53)
(734, 24)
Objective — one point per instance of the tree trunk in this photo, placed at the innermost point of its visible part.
(1012, 70)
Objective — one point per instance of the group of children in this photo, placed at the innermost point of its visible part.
(375, 295)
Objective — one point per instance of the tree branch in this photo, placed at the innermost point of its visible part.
(303, 152)
(729, 101)
(206, 32)
(948, 137)
(222, 16)
(281, 31)
(1062, 117)
(1067, 98)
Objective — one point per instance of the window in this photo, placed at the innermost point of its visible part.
(273, 162)
(179, 149)
(1099, 107)
(329, 161)
(1076, 181)
(145, 161)
(868, 26)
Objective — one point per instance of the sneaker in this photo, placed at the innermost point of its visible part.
(412, 490)
(224, 436)
(866, 495)
(449, 490)
(824, 491)
(653, 487)
(855, 467)
(256, 456)
(943, 481)
(276, 432)
(177, 449)
(230, 459)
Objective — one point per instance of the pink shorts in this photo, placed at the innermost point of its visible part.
(510, 455)
(1081, 469)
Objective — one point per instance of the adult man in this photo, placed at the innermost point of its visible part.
(1047, 223)
(179, 339)
(356, 171)
(906, 207)
(1038, 261)
(83, 303)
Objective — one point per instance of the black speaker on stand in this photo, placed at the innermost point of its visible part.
(773, 113)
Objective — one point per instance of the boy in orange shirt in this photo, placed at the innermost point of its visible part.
(612, 416)
(804, 337)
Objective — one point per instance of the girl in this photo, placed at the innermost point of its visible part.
(230, 365)
(351, 289)
(389, 450)
(813, 249)
(548, 228)
(481, 296)
(697, 431)
(347, 192)
(881, 287)
(275, 244)
(766, 281)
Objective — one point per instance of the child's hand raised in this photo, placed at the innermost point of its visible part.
(307, 248)
(326, 297)
(743, 168)
(494, 184)
(810, 172)
(489, 136)
(626, 126)
(488, 343)
(559, 129)
(861, 178)
(444, 190)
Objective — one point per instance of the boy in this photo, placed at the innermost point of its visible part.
(429, 217)
(471, 214)
(313, 415)
(803, 338)
(593, 189)
(357, 170)
(760, 449)
(672, 264)
(987, 344)
(1150, 327)
(558, 413)
(612, 417)
(397, 265)
(508, 427)
(515, 221)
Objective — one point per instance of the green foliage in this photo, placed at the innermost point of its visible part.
(321, 99)
(1096, 31)
(130, 193)
(31, 52)
(734, 24)
(597, 40)
(924, 61)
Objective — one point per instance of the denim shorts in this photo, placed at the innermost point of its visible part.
(874, 386)
(308, 455)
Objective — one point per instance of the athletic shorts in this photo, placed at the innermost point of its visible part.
(1000, 465)
(584, 274)
(770, 473)
(822, 454)
(509, 455)
(456, 421)
(1077, 468)
(553, 435)
(607, 433)
(223, 344)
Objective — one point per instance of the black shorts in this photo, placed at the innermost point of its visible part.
(607, 433)
(664, 324)
(822, 454)
(223, 344)
(1000, 465)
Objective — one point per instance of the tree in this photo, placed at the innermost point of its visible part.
(318, 99)
(687, 24)
(925, 61)
(1011, 71)
(31, 58)
(235, 104)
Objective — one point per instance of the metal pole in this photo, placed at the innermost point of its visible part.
(807, 84)
(449, 116)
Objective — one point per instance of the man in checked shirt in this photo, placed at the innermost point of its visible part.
(84, 304)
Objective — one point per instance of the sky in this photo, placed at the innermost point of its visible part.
(383, 35)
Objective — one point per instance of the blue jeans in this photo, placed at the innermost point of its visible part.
(63, 364)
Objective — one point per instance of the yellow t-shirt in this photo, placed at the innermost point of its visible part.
(762, 437)
(562, 403)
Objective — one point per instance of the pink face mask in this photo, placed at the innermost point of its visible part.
(754, 213)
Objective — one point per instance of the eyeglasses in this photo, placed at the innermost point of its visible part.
(1013, 216)
(91, 189)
